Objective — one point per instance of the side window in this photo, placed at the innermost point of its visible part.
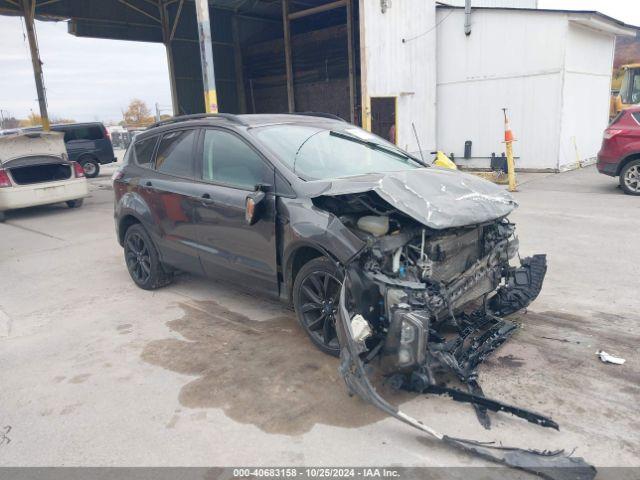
(227, 159)
(81, 133)
(143, 151)
(69, 135)
(95, 133)
(175, 153)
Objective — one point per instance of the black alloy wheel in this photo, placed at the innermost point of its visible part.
(142, 259)
(316, 301)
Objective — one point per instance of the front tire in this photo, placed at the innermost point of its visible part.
(630, 178)
(316, 297)
(142, 260)
(90, 166)
(3, 217)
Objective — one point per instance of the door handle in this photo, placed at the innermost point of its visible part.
(206, 200)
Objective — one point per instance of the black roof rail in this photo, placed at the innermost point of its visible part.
(196, 116)
(321, 114)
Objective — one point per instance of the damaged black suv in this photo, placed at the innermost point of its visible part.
(389, 262)
(288, 203)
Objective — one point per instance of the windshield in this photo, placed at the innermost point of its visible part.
(315, 153)
(630, 89)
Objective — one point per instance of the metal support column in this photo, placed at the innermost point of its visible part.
(167, 38)
(237, 50)
(364, 89)
(287, 56)
(352, 67)
(29, 11)
(206, 57)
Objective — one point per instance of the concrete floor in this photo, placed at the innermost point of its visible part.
(95, 371)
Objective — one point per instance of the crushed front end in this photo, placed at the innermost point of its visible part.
(425, 295)
(432, 300)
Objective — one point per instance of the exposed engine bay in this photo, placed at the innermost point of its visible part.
(419, 304)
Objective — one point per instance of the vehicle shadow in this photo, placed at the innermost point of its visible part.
(29, 213)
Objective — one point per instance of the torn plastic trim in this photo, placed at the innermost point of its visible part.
(553, 465)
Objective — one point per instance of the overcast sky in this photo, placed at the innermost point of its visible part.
(90, 79)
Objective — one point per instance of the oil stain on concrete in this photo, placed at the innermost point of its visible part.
(263, 373)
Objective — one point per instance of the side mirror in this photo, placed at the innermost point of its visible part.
(253, 207)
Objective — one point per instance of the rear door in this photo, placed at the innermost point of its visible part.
(228, 170)
(174, 198)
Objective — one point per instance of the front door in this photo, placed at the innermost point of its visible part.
(231, 249)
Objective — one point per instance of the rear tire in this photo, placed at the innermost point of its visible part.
(2, 217)
(316, 297)
(77, 203)
(142, 260)
(630, 178)
(90, 166)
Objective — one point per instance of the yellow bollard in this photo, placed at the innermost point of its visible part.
(508, 140)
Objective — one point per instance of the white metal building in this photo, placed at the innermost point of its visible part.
(495, 3)
(551, 69)
(398, 61)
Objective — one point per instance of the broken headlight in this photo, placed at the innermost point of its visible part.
(405, 342)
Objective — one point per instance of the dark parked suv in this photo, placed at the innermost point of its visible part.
(89, 144)
(292, 204)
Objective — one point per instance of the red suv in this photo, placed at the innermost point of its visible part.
(620, 151)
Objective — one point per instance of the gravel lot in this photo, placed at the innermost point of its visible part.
(98, 372)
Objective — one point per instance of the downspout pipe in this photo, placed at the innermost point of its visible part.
(467, 17)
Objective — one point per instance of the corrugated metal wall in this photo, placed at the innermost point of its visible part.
(551, 75)
(400, 61)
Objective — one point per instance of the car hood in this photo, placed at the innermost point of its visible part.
(436, 197)
(31, 144)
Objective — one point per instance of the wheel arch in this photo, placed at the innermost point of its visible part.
(629, 158)
(87, 156)
(123, 225)
(298, 256)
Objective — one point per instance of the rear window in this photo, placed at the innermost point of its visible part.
(636, 116)
(143, 151)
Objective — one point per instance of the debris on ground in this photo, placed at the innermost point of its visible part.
(608, 358)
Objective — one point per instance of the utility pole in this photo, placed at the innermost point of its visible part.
(29, 11)
(157, 112)
(206, 56)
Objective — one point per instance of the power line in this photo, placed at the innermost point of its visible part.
(407, 40)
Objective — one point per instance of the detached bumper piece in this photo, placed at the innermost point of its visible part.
(522, 287)
(478, 335)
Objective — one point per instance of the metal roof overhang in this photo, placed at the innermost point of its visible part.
(602, 23)
(141, 20)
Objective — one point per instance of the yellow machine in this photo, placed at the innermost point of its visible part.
(443, 161)
(625, 88)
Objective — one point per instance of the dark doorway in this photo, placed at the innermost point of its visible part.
(383, 118)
